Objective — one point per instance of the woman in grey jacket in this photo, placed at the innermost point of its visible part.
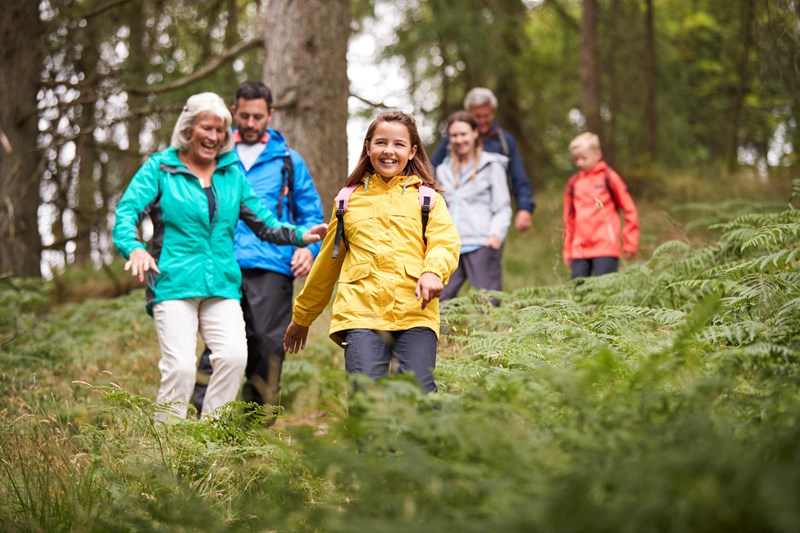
(477, 197)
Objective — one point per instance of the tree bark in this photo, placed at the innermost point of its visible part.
(614, 102)
(21, 55)
(306, 68)
(650, 113)
(589, 68)
(742, 82)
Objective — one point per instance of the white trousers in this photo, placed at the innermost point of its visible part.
(221, 326)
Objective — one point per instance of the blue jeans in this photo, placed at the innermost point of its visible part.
(369, 351)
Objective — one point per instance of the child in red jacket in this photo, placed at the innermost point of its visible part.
(592, 200)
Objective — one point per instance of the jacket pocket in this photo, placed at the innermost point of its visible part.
(354, 294)
(355, 272)
(415, 271)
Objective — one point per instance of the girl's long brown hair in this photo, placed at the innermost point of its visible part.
(420, 165)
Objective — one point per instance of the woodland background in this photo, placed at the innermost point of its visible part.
(665, 397)
(92, 87)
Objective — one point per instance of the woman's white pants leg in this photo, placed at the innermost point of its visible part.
(221, 325)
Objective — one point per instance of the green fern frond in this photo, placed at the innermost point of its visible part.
(664, 317)
(775, 235)
(777, 358)
(748, 220)
(735, 238)
(736, 334)
(696, 262)
(772, 263)
(757, 288)
(668, 252)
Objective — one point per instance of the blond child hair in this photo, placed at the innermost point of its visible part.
(585, 140)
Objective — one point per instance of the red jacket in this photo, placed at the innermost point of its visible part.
(591, 219)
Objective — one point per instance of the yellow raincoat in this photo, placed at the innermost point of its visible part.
(378, 273)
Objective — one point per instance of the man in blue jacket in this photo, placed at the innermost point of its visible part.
(281, 178)
(482, 104)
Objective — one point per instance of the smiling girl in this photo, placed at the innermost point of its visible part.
(390, 275)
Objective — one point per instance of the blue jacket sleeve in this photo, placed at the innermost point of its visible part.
(441, 152)
(520, 183)
(306, 204)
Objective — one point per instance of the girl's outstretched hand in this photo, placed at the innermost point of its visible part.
(429, 287)
(295, 338)
(315, 234)
(139, 262)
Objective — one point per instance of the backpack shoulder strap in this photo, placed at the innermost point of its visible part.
(503, 142)
(340, 202)
(287, 185)
(427, 197)
(610, 190)
(571, 193)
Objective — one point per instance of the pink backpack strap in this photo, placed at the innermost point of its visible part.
(343, 198)
(340, 203)
(426, 192)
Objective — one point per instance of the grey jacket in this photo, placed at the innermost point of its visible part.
(481, 206)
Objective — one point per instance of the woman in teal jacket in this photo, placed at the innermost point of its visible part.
(194, 193)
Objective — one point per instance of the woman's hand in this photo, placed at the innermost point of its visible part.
(315, 234)
(493, 242)
(429, 287)
(295, 337)
(139, 262)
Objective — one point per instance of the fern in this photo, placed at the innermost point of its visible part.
(735, 334)
(775, 235)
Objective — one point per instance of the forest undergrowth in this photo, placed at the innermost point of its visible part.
(662, 398)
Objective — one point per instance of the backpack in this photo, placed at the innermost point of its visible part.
(503, 142)
(287, 186)
(427, 197)
(571, 189)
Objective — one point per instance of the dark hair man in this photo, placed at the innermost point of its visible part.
(278, 175)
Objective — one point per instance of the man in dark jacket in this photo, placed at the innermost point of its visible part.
(482, 104)
(281, 178)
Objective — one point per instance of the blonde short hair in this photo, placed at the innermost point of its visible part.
(585, 140)
(195, 106)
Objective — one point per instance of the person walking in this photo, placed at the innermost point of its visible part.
(593, 199)
(482, 104)
(194, 193)
(476, 192)
(280, 177)
(390, 255)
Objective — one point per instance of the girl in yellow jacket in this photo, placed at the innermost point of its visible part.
(390, 275)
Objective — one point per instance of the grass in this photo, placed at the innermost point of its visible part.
(664, 397)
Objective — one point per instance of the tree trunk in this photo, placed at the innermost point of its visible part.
(306, 68)
(737, 104)
(510, 114)
(20, 64)
(589, 68)
(614, 102)
(83, 177)
(650, 113)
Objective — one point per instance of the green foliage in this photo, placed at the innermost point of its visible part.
(725, 94)
(663, 397)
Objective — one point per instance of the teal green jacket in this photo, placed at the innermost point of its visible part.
(194, 252)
